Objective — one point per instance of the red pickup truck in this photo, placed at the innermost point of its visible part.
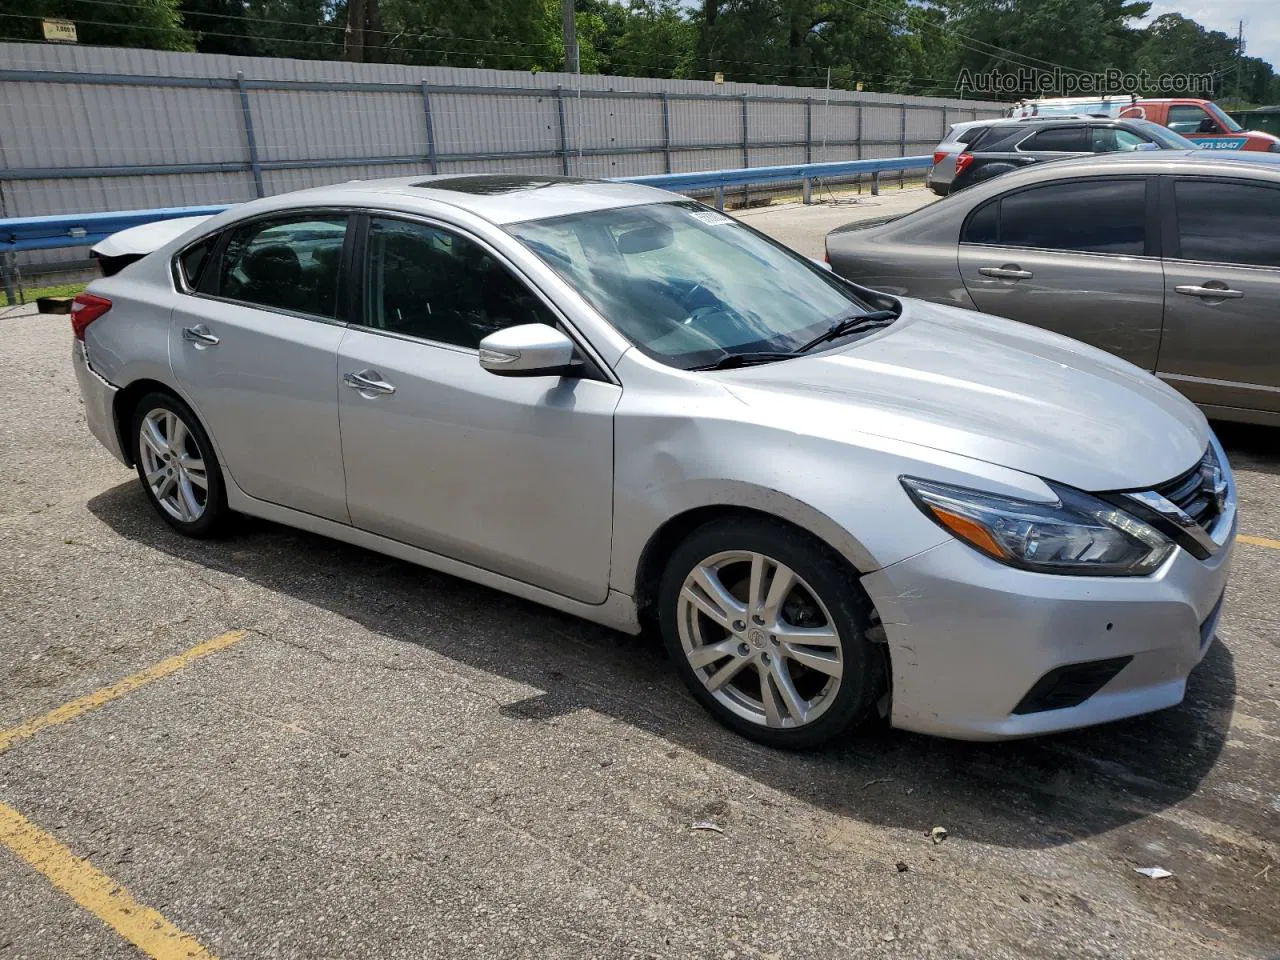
(1202, 121)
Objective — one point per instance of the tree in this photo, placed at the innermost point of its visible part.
(154, 24)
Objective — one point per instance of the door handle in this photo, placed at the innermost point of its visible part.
(1208, 292)
(200, 335)
(368, 381)
(1010, 271)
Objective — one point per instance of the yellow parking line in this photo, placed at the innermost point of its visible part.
(1259, 541)
(91, 701)
(88, 886)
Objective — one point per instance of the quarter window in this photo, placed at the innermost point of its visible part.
(192, 260)
(427, 282)
(284, 265)
(1228, 222)
(1089, 216)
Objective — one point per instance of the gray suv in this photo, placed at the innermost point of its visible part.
(1010, 144)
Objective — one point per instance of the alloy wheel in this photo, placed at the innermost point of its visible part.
(760, 639)
(173, 465)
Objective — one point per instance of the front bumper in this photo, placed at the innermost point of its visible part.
(969, 638)
(99, 403)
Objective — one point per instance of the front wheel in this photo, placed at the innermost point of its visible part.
(177, 466)
(768, 630)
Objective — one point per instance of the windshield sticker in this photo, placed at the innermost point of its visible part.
(711, 218)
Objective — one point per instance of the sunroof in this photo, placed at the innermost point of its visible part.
(493, 184)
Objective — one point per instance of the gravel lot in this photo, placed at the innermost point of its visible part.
(393, 763)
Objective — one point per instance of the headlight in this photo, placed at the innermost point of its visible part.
(1077, 535)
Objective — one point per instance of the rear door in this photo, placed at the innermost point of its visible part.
(255, 348)
(1077, 257)
(1222, 274)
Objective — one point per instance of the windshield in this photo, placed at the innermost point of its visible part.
(1164, 136)
(689, 285)
(1226, 122)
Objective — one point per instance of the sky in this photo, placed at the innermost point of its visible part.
(1261, 21)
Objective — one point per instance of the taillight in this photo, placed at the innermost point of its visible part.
(85, 309)
(962, 162)
(939, 156)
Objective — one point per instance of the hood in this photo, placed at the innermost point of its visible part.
(991, 389)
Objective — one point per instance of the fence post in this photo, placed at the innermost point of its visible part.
(6, 269)
(564, 131)
(902, 146)
(247, 114)
(666, 131)
(875, 184)
(746, 156)
(431, 128)
(858, 142)
(806, 191)
(808, 131)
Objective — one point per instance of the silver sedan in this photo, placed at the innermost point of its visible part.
(608, 399)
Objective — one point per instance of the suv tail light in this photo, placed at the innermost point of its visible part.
(962, 162)
(85, 309)
(939, 156)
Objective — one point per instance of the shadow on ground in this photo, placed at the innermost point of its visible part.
(1030, 794)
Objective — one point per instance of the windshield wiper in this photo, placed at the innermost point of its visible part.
(731, 360)
(850, 324)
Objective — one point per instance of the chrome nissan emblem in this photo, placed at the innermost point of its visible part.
(755, 636)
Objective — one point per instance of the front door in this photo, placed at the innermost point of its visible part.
(514, 475)
(1222, 304)
(255, 349)
(1073, 257)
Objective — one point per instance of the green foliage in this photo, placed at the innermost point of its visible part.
(903, 46)
(157, 24)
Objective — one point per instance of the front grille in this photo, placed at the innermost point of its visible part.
(1192, 494)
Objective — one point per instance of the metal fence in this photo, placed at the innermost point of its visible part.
(100, 129)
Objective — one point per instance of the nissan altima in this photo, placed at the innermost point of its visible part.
(831, 502)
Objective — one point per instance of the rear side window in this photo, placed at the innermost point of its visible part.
(1228, 222)
(1088, 216)
(283, 264)
(191, 261)
(1057, 140)
(970, 135)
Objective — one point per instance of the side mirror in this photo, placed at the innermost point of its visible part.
(529, 350)
(1207, 125)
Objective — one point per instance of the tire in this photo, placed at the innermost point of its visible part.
(835, 680)
(176, 494)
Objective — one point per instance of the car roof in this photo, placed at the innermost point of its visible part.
(1143, 162)
(498, 198)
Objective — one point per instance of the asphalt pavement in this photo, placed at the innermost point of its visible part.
(277, 746)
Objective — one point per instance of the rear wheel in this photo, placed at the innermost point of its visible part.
(177, 466)
(768, 630)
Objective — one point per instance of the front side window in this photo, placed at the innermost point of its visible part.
(1088, 216)
(1113, 139)
(427, 282)
(1223, 222)
(1186, 118)
(283, 264)
(689, 285)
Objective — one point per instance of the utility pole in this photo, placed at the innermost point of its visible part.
(572, 63)
(1239, 62)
